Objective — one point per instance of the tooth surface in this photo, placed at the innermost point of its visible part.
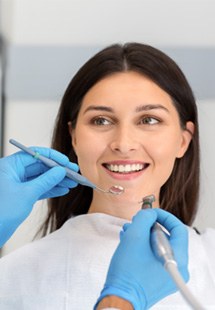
(132, 167)
(115, 168)
(121, 168)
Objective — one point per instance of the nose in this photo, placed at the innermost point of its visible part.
(124, 141)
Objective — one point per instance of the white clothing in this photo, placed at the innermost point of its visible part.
(67, 269)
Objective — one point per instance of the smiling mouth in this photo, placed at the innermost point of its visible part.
(127, 168)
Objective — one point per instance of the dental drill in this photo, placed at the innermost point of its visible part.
(162, 249)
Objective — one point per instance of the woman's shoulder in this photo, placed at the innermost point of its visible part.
(53, 240)
(202, 245)
(36, 250)
(208, 240)
(87, 226)
(206, 236)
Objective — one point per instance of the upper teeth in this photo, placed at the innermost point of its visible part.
(125, 168)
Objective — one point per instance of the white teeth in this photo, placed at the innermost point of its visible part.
(121, 168)
(125, 168)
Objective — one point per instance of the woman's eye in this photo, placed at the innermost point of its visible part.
(149, 121)
(101, 121)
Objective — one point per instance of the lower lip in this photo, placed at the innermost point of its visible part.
(125, 176)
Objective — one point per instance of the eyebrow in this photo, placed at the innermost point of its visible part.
(98, 108)
(147, 107)
(144, 107)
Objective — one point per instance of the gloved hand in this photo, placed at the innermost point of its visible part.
(135, 273)
(23, 181)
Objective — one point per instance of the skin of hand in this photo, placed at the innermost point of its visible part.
(135, 273)
(114, 302)
(24, 180)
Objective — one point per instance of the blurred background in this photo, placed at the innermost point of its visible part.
(44, 42)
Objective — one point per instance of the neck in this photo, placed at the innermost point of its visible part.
(123, 206)
(119, 208)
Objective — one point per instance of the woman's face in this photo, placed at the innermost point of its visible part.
(128, 133)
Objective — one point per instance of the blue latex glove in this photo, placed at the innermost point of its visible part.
(135, 273)
(23, 181)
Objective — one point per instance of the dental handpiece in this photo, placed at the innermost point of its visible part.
(115, 189)
(159, 241)
(163, 251)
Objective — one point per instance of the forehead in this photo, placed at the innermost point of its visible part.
(126, 88)
(126, 85)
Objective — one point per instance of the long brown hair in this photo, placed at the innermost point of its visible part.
(179, 195)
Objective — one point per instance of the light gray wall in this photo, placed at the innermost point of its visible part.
(43, 72)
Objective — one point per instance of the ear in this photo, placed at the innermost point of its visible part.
(187, 136)
(72, 134)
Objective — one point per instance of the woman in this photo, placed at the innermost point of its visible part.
(179, 195)
(129, 118)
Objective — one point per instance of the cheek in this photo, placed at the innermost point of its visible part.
(164, 156)
(88, 151)
(166, 147)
